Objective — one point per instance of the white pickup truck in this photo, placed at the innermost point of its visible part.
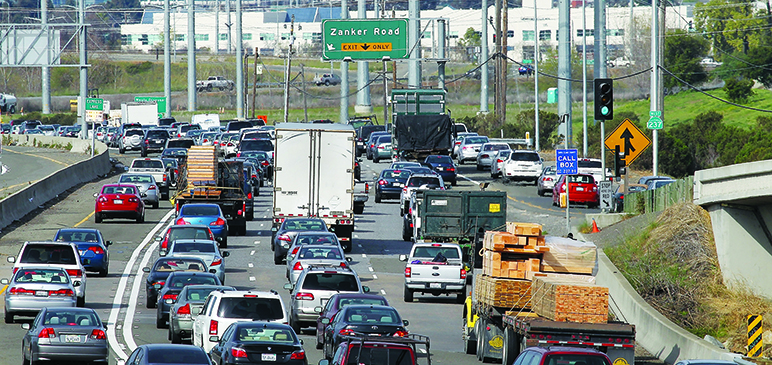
(435, 268)
(155, 167)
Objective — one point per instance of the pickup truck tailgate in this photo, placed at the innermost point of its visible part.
(434, 272)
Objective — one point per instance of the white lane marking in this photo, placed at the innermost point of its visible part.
(250, 265)
(256, 242)
(468, 179)
(252, 278)
(356, 235)
(375, 276)
(252, 253)
(383, 292)
(370, 268)
(112, 337)
(364, 255)
(262, 224)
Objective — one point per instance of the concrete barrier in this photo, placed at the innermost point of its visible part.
(78, 145)
(21, 203)
(657, 334)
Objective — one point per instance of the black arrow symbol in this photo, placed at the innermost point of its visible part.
(365, 46)
(627, 136)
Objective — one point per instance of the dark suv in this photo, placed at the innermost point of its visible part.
(155, 140)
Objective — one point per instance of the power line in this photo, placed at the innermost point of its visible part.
(712, 96)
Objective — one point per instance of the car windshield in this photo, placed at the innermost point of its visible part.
(76, 236)
(520, 156)
(49, 254)
(476, 140)
(423, 180)
(188, 356)
(174, 264)
(41, 276)
(380, 356)
(372, 316)
(260, 334)
(332, 253)
(574, 359)
(589, 164)
(304, 225)
(330, 281)
(256, 145)
(181, 281)
(251, 307)
(434, 252)
(193, 247)
(136, 179)
(70, 318)
(200, 210)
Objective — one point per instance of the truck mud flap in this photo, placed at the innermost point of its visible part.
(490, 341)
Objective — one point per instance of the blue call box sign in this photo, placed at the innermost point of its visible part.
(567, 162)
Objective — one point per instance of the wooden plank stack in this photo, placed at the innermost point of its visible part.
(513, 255)
(569, 256)
(202, 166)
(500, 292)
(567, 300)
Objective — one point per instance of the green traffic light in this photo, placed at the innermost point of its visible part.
(604, 110)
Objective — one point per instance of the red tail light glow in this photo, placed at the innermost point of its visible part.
(297, 267)
(184, 311)
(218, 222)
(400, 334)
(408, 272)
(152, 187)
(382, 182)
(304, 296)
(97, 334)
(61, 293)
(284, 237)
(346, 332)
(181, 221)
(170, 296)
(298, 355)
(238, 352)
(102, 199)
(76, 273)
(212, 327)
(96, 249)
(21, 291)
(216, 262)
(463, 274)
(47, 333)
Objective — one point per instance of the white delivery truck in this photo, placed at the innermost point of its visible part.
(206, 121)
(145, 113)
(314, 176)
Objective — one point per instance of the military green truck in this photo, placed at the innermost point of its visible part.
(455, 216)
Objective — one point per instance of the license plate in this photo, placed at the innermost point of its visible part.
(440, 169)
(158, 141)
(41, 293)
(72, 338)
(435, 286)
(579, 188)
(268, 357)
(117, 201)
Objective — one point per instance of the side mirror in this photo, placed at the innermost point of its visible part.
(349, 259)
(226, 254)
(5, 281)
(318, 309)
(76, 283)
(11, 259)
(403, 258)
(214, 339)
(96, 194)
(162, 253)
(25, 326)
(325, 320)
(145, 269)
(405, 322)
(158, 238)
(108, 243)
(365, 289)
(213, 271)
(288, 286)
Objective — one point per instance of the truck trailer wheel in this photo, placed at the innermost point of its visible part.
(511, 346)
(408, 295)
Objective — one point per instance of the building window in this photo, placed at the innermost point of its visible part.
(202, 37)
(285, 36)
(179, 37)
(427, 34)
(615, 32)
(453, 34)
(223, 36)
(590, 32)
(528, 35)
(143, 39)
(545, 35)
(247, 36)
(126, 39)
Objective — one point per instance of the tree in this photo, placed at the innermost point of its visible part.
(738, 90)
(683, 52)
(470, 39)
(730, 24)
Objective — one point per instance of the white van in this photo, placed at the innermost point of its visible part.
(206, 120)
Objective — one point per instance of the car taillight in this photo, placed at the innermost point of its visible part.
(297, 267)
(238, 352)
(147, 141)
(152, 187)
(346, 332)
(169, 296)
(133, 200)
(181, 221)
(264, 163)
(238, 154)
(463, 274)
(96, 249)
(249, 195)
(498, 160)
(21, 291)
(284, 237)
(161, 283)
(450, 169)
(230, 144)
(343, 264)
(212, 327)
(61, 293)
(164, 177)
(102, 199)
(304, 296)
(408, 272)
(381, 147)
(295, 250)
(97, 334)
(254, 176)
(74, 272)
(47, 333)
(216, 262)
(165, 242)
(184, 311)
(218, 222)
(382, 182)
(298, 355)
(400, 334)
(205, 140)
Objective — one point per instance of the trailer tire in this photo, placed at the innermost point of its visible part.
(511, 346)
(480, 338)
(408, 295)
(470, 346)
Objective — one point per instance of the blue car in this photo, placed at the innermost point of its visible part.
(207, 215)
(390, 184)
(91, 246)
(442, 165)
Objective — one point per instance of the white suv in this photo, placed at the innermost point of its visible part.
(222, 308)
(523, 166)
(55, 254)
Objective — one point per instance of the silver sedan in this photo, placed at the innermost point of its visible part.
(487, 151)
(498, 163)
(320, 255)
(35, 287)
(148, 188)
(206, 250)
(61, 334)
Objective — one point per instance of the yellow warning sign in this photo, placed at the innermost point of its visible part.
(365, 47)
(630, 139)
(494, 208)
(755, 342)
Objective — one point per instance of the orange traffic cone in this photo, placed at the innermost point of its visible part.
(594, 227)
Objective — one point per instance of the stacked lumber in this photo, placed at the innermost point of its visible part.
(503, 265)
(513, 256)
(202, 166)
(569, 300)
(568, 256)
(500, 292)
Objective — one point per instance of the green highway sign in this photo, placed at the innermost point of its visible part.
(159, 100)
(655, 123)
(655, 113)
(364, 39)
(94, 104)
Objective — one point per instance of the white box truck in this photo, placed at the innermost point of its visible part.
(314, 176)
(145, 113)
(206, 121)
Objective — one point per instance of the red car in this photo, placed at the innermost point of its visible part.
(119, 201)
(584, 190)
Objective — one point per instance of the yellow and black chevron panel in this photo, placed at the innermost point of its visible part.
(754, 335)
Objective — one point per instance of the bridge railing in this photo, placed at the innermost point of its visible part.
(656, 200)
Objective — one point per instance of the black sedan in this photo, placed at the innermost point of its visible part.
(442, 165)
(336, 303)
(158, 353)
(390, 184)
(264, 158)
(64, 335)
(378, 320)
(286, 232)
(175, 282)
(178, 153)
(259, 343)
(162, 267)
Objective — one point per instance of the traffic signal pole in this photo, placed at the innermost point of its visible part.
(654, 91)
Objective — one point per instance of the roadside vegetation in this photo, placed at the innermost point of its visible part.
(673, 265)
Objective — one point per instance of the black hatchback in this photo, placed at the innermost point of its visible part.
(390, 184)
(154, 141)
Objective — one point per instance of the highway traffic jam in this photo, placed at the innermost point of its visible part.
(189, 270)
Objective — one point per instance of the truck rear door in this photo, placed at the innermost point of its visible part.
(292, 173)
(333, 169)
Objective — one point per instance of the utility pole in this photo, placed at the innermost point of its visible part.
(254, 86)
(191, 57)
(228, 24)
(363, 105)
(239, 63)
(655, 80)
(504, 62)
(83, 69)
(217, 27)
(599, 66)
(484, 58)
(584, 78)
(287, 72)
(497, 77)
(344, 73)
(414, 79)
(167, 60)
(564, 68)
(46, 70)
(536, 57)
(441, 53)
(303, 81)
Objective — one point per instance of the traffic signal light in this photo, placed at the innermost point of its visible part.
(619, 163)
(604, 99)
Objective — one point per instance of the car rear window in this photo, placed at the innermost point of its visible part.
(574, 359)
(372, 315)
(312, 239)
(134, 132)
(48, 254)
(196, 294)
(119, 190)
(66, 235)
(193, 247)
(384, 139)
(431, 252)
(41, 276)
(256, 145)
(164, 356)
(419, 181)
(330, 281)
(365, 301)
(181, 281)
(200, 210)
(175, 264)
(439, 159)
(259, 334)
(136, 179)
(589, 164)
(180, 143)
(71, 318)
(379, 356)
(582, 179)
(495, 147)
(261, 309)
(157, 133)
(519, 156)
(235, 126)
(320, 253)
(395, 174)
(305, 225)
(476, 140)
(147, 164)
